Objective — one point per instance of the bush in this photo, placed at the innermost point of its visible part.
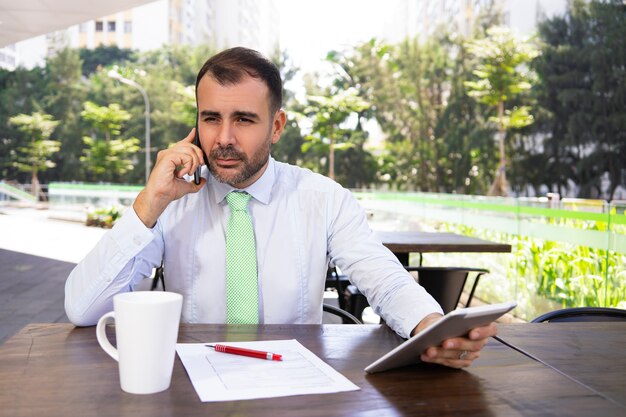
(104, 217)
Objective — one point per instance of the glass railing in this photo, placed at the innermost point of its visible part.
(89, 203)
(566, 253)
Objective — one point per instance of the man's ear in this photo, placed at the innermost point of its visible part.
(280, 119)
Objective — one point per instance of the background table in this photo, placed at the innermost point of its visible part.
(59, 370)
(404, 243)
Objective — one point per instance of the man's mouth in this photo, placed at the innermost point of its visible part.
(227, 162)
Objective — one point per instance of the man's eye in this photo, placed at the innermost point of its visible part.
(244, 120)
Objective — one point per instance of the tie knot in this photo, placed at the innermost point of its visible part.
(238, 201)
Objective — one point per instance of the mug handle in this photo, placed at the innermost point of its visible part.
(102, 337)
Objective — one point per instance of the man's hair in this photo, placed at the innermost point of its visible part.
(230, 66)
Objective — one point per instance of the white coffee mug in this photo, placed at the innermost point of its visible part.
(146, 330)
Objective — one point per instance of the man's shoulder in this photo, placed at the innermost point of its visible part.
(303, 178)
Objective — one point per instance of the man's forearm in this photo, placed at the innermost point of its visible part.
(148, 208)
(426, 321)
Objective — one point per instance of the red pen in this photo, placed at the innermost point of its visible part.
(247, 352)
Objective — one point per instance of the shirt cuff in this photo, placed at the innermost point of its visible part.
(130, 234)
(417, 314)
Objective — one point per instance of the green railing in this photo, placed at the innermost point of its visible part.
(602, 221)
(79, 195)
(16, 193)
(565, 253)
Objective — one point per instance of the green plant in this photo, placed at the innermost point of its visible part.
(104, 217)
(571, 275)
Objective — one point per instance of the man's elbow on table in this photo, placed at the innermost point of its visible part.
(78, 315)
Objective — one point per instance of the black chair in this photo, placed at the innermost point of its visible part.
(582, 314)
(339, 282)
(445, 284)
(346, 317)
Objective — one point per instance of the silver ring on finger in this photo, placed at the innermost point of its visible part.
(463, 355)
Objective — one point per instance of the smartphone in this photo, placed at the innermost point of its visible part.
(196, 141)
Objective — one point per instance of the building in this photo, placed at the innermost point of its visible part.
(425, 17)
(8, 57)
(254, 24)
(173, 22)
(219, 23)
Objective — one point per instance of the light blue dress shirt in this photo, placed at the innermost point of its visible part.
(302, 220)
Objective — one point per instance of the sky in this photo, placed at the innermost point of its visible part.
(309, 29)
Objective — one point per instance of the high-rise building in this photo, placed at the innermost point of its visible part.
(219, 23)
(254, 24)
(8, 58)
(425, 17)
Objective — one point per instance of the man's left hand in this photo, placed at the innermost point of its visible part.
(457, 352)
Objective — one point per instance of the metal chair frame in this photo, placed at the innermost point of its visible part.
(581, 314)
(346, 317)
(445, 284)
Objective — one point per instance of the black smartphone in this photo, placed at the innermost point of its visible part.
(196, 141)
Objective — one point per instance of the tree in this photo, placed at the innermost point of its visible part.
(582, 97)
(35, 155)
(289, 147)
(107, 157)
(63, 96)
(502, 76)
(415, 87)
(21, 92)
(328, 114)
(104, 56)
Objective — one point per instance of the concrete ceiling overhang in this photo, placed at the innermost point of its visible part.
(25, 19)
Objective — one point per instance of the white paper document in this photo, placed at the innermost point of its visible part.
(220, 376)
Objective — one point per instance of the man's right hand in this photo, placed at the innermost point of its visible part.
(166, 182)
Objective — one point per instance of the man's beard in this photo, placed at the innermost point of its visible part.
(248, 168)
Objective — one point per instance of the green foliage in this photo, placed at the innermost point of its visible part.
(34, 153)
(501, 58)
(516, 118)
(289, 147)
(107, 155)
(435, 136)
(63, 96)
(184, 103)
(570, 275)
(502, 76)
(105, 119)
(20, 93)
(104, 217)
(103, 56)
(582, 94)
(328, 115)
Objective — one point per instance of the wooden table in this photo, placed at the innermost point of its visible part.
(59, 370)
(404, 243)
(593, 354)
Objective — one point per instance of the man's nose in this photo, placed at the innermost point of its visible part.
(225, 135)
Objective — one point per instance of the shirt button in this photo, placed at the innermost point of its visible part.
(137, 240)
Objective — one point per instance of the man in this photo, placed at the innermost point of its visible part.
(297, 222)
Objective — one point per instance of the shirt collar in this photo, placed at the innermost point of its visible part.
(260, 190)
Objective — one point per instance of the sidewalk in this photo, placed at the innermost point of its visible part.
(30, 231)
(36, 256)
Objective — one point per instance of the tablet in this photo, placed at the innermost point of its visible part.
(456, 323)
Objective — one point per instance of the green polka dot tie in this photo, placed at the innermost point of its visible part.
(242, 299)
